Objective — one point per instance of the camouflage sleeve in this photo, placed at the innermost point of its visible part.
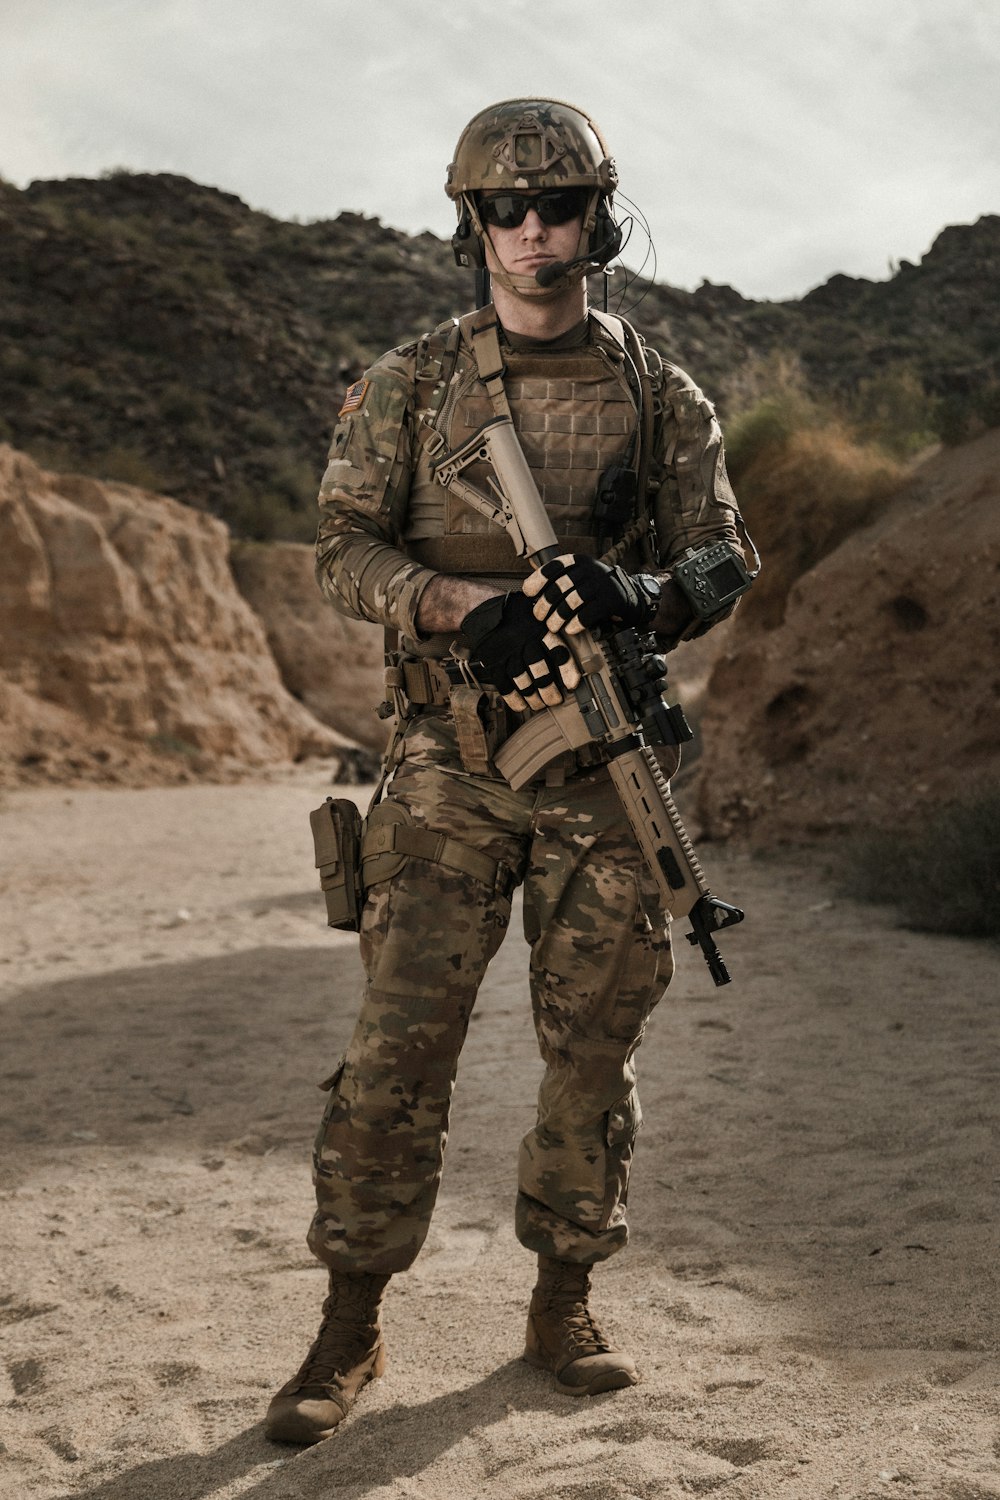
(694, 503)
(363, 499)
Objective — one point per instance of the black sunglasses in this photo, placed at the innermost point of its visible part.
(557, 206)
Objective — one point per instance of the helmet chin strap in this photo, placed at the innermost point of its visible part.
(527, 287)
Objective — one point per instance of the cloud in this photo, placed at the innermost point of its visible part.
(770, 145)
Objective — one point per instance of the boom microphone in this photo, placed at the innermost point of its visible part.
(599, 257)
(552, 272)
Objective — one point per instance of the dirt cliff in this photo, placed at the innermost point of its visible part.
(331, 664)
(880, 692)
(128, 651)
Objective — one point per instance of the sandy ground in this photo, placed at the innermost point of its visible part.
(811, 1287)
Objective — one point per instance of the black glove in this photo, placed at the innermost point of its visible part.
(521, 658)
(579, 593)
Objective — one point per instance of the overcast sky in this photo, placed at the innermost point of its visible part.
(770, 143)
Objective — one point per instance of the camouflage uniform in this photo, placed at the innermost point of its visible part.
(599, 947)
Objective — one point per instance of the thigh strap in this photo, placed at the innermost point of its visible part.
(383, 838)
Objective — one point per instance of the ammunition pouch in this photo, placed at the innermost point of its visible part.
(353, 854)
(482, 721)
(336, 828)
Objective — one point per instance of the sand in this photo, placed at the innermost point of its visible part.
(811, 1288)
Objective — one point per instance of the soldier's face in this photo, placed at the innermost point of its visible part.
(532, 244)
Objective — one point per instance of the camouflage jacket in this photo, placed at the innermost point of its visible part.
(381, 512)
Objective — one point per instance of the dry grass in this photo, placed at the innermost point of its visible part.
(806, 480)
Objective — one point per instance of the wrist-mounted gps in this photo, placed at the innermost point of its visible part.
(711, 578)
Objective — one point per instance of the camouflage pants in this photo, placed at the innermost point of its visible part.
(598, 965)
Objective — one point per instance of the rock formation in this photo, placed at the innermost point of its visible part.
(332, 664)
(128, 652)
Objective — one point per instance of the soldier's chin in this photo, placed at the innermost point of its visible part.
(526, 285)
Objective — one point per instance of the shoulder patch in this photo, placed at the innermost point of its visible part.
(355, 398)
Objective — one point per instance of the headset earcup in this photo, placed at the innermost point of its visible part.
(466, 243)
(607, 235)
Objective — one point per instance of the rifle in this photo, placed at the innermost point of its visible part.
(618, 703)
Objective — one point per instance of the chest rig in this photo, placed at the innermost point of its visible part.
(581, 415)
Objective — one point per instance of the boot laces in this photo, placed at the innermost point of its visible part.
(582, 1331)
(347, 1334)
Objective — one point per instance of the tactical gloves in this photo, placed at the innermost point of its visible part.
(579, 593)
(519, 655)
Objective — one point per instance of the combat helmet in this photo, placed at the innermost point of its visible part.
(526, 144)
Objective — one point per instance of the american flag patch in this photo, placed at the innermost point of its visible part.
(355, 397)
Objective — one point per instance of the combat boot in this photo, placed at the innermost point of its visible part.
(563, 1336)
(346, 1354)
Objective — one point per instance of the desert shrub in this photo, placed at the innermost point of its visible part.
(180, 405)
(805, 481)
(201, 273)
(55, 456)
(385, 260)
(943, 872)
(79, 382)
(128, 466)
(172, 744)
(961, 415)
(266, 515)
(780, 407)
(296, 479)
(893, 410)
(263, 427)
(276, 501)
(21, 369)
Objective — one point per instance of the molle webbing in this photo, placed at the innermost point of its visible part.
(574, 412)
(422, 843)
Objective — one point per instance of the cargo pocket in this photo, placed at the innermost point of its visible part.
(621, 1128)
(645, 969)
(331, 1087)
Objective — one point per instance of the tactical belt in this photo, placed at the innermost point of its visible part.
(424, 681)
(431, 683)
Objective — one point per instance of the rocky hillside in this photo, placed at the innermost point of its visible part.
(937, 322)
(163, 333)
(879, 694)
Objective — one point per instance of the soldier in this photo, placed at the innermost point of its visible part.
(628, 457)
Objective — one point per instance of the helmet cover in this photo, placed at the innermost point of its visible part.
(525, 144)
